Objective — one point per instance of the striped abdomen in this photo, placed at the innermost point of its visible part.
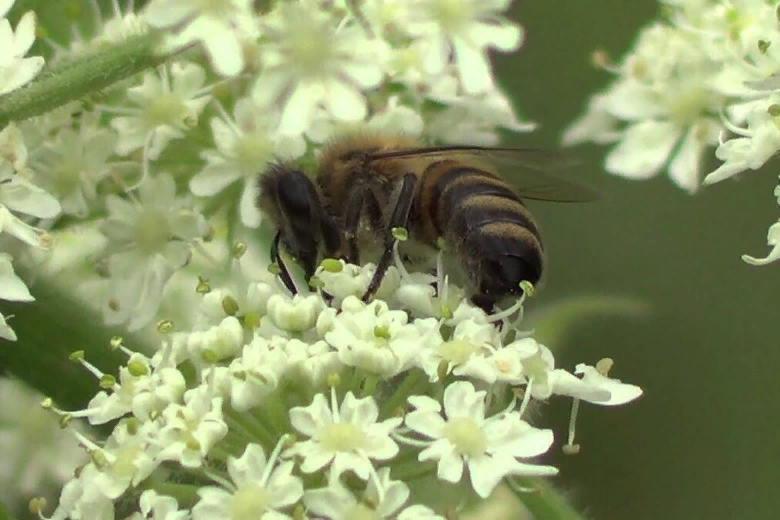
(491, 229)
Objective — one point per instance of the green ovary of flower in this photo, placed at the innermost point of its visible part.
(249, 502)
(466, 436)
(456, 351)
(342, 437)
(252, 151)
(165, 109)
(152, 231)
(452, 15)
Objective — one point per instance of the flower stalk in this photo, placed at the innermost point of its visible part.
(73, 80)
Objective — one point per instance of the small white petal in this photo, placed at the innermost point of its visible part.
(644, 149)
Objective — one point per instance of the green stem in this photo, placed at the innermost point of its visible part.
(401, 393)
(544, 503)
(71, 80)
(251, 428)
(184, 493)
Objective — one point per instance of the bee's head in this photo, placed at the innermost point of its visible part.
(291, 200)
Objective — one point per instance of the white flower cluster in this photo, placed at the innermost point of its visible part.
(17, 193)
(704, 76)
(287, 396)
(310, 405)
(142, 170)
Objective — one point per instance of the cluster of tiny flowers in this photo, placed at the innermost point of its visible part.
(153, 177)
(298, 406)
(312, 405)
(18, 194)
(705, 76)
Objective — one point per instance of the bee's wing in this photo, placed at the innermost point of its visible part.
(526, 169)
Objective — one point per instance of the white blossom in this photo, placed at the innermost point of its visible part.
(13, 289)
(664, 100)
(142, 390)
(313, 59)
(80, 499)
(191, 429)
(345, 436)
(344, 280)
(467, 352)
(773, 239)
(463, 437)
(15, 69)
(263, 489)
(19, 194)
(473, 118)
(377, 339)
(336, 501)
(255, 374)
(149, 238)
(158, 507)
(620, 393)
(123, 24)
(127, 458)
(296, 314)
(220, 342)
(168, 103)
(219, 26)
(72, 164)
(244, 144)
(460, 32)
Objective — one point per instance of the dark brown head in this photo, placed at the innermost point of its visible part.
(291, 200)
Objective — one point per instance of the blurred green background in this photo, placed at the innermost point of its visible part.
(703, 440)
(702, 443)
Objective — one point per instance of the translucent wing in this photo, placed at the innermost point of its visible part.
(526, 169)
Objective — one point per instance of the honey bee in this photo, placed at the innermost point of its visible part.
(367, 186)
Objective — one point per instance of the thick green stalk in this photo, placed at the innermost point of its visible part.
(544, 503)
(73, 79)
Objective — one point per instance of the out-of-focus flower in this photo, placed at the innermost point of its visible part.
(245, 143)
(168, 104)
(461, 31)
(15, 69)
(313, 59)
(219, 26)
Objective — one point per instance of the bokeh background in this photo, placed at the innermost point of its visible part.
(704, 440)
(702, 443)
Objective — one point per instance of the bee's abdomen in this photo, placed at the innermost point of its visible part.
(478, 211)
